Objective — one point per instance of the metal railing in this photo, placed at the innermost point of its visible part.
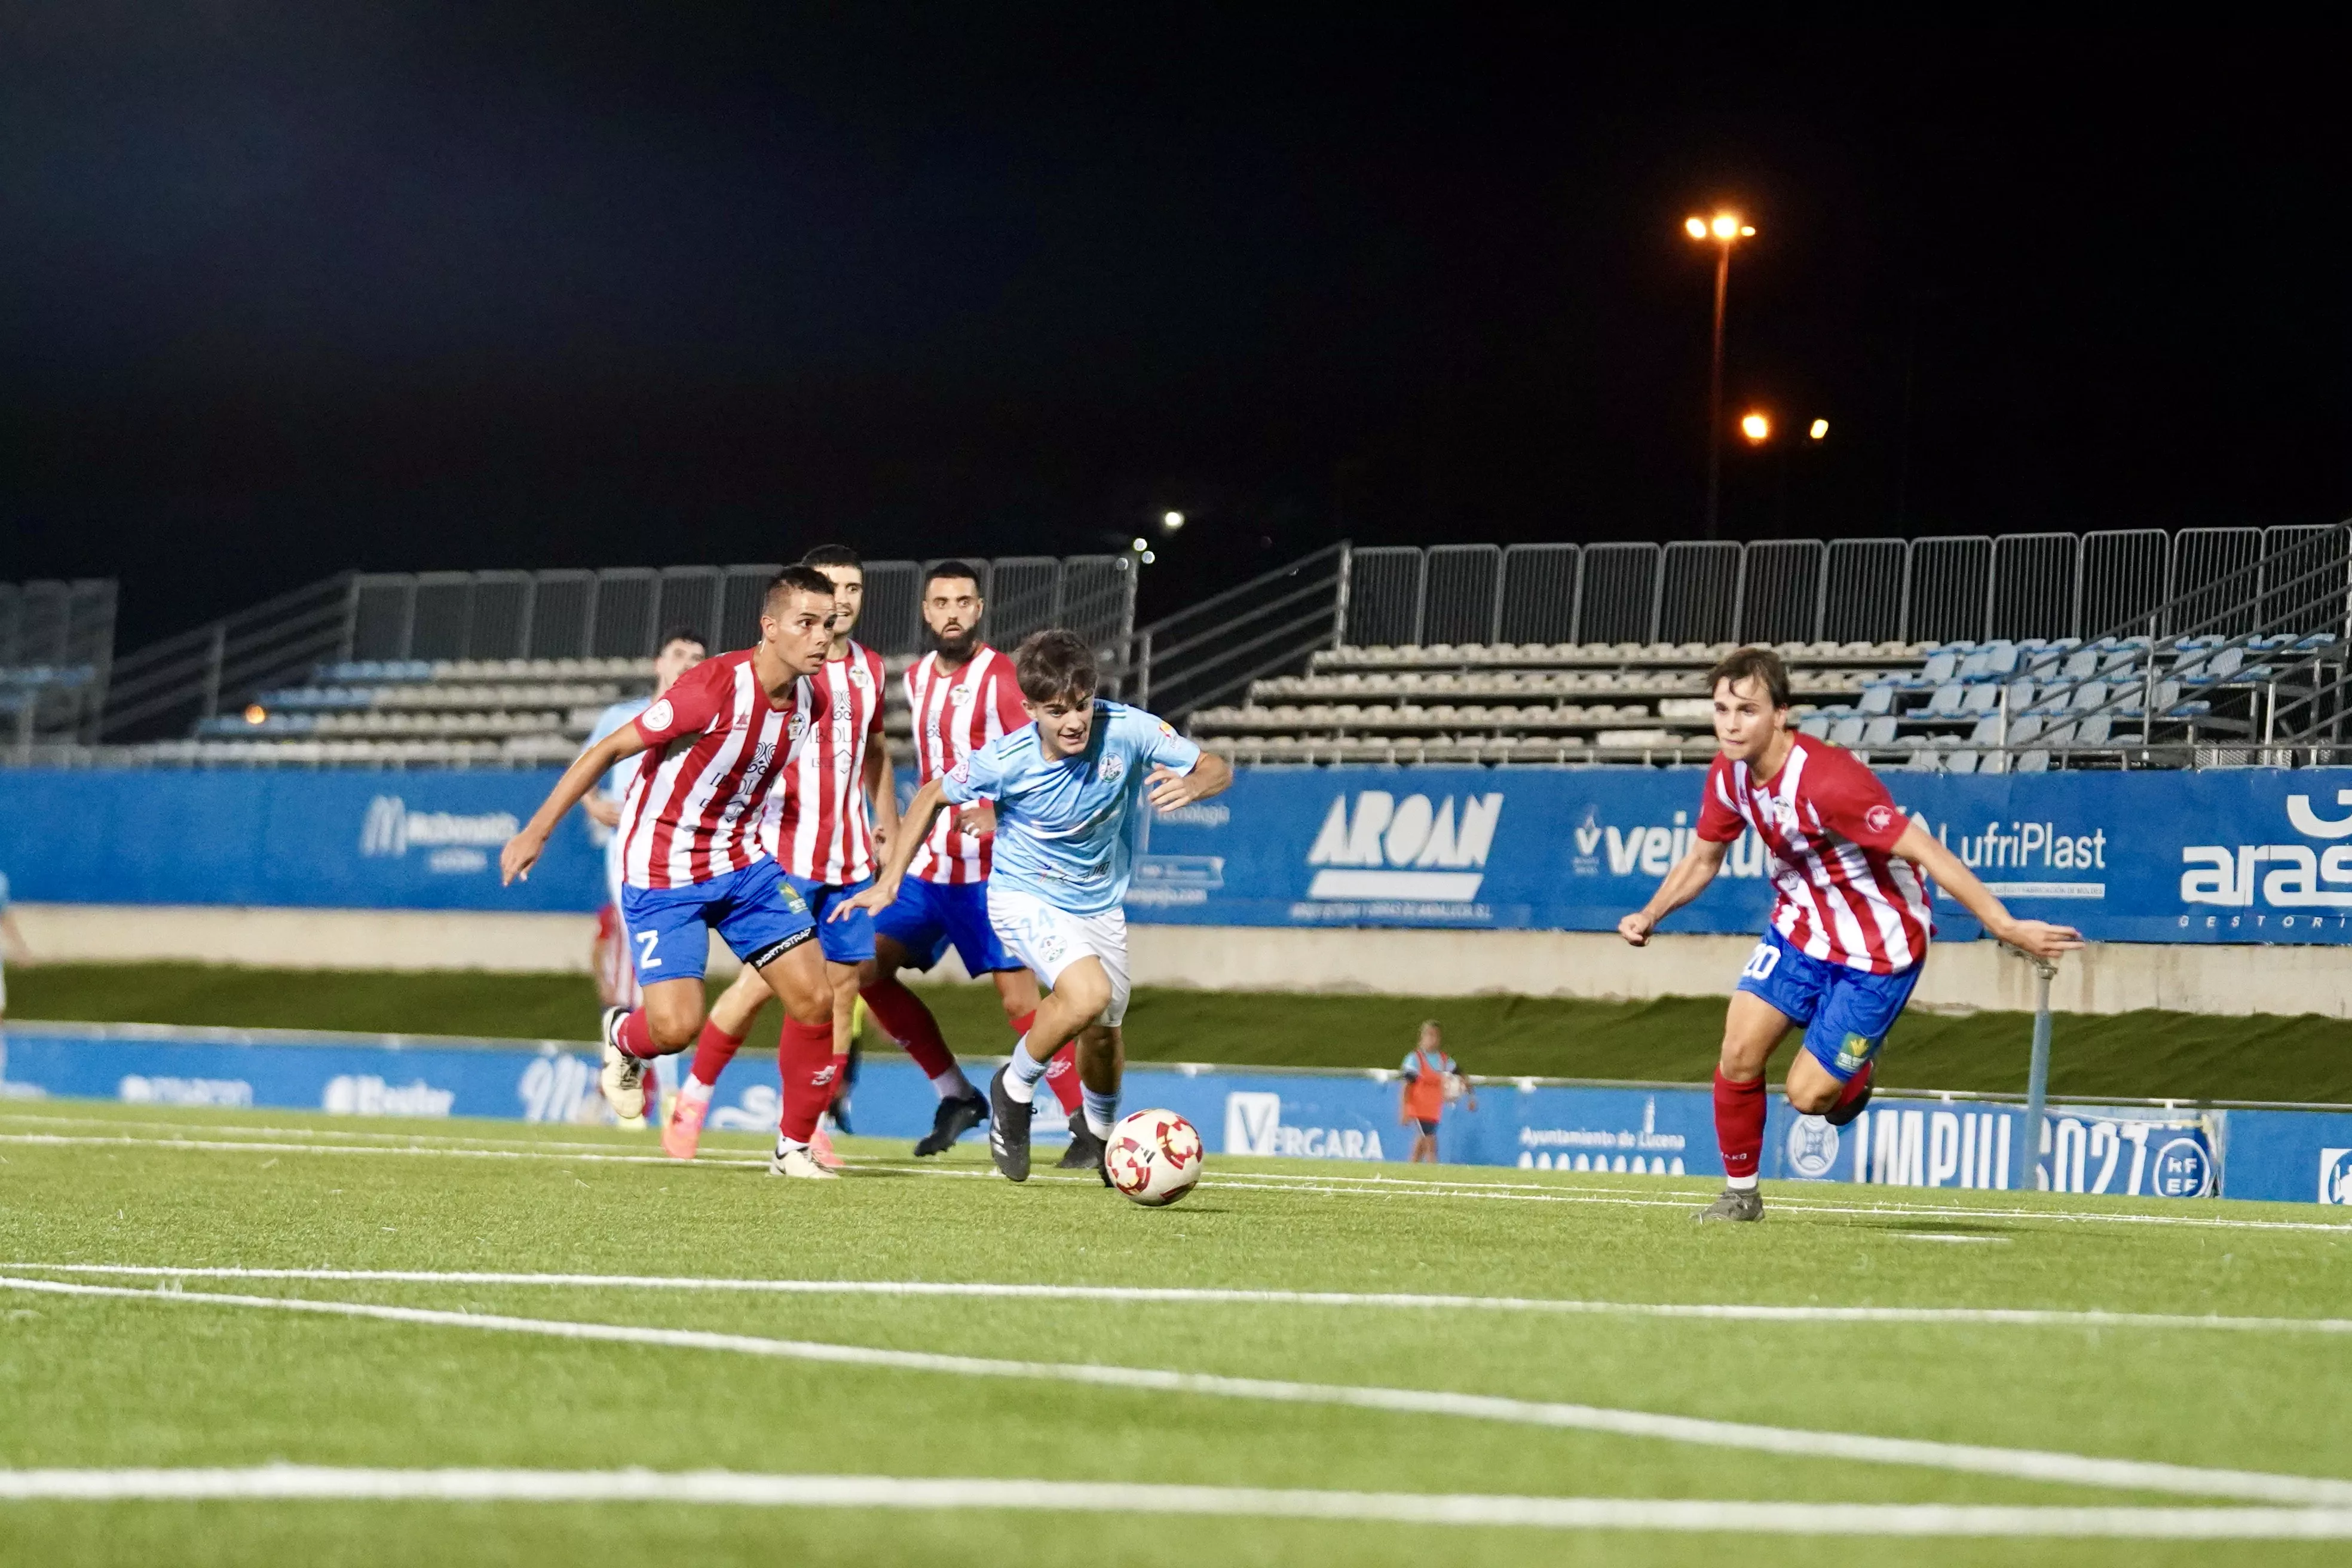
(1971, 587)
(1271, 624)
(57, 653)
(166, 687)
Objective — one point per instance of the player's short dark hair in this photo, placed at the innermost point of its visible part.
(682, 633)
(833, 555)
(1055, 663)
(795, 580)
(951, 569)
(1761, 665)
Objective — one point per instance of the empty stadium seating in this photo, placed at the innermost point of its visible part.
(1963, 707)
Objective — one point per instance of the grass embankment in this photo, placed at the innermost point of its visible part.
(2150, 1054)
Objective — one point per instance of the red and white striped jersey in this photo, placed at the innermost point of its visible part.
(715, 747)
(957, 712)
(817, 824)
(1829, 824)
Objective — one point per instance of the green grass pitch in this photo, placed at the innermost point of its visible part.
(160, 1378)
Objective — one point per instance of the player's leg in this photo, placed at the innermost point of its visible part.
(715, 1045)
(1779, 988)
(670, 939)
(1100, 1054)
(1832, 1077)
(770, 928)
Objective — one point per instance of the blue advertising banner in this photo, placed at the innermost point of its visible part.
(422, 840)
(1664, 1129)
(2234, 856)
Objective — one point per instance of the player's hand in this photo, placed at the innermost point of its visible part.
(882, 837)
(1636, 928)
(977, 820)
(602, 810)
(2039, 939)
(873, 900)
(522, 853)
(1171, 789)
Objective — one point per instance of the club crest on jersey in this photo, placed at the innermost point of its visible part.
(858, 676)
(660, 715)
(800, 724)
(1113, 767)
(962, 696)
(1879, 818)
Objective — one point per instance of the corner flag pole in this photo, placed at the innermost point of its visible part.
(2037, 1077)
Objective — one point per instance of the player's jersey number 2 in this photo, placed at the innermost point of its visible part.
(645, 959)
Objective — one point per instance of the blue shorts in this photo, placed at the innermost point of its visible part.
(1846, 1011)
(928, 916)
(754, 910)
(849, 941)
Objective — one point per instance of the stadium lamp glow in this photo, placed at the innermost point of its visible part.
(1171, 520)
(1756, 428)
(1821, 428)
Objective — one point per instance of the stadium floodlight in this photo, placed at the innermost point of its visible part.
(1821, 428)
(1171, 520)
(1150, 556)
(1756, 428)
(256, 714)
(1140, 545)
(1726, 228)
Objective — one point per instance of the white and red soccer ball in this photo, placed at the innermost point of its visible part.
(1154, 1157)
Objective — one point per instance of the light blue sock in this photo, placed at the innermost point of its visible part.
(1021, 1079)
(1102, 1111)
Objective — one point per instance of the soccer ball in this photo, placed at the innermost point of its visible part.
(1154, 1157)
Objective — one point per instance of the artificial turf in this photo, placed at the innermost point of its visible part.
(2146, 1054)
(164, 1379)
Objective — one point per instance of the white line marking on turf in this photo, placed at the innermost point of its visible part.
(312, 1482)
(2024, 1317)
(2022, 1463)
(1341, 1185)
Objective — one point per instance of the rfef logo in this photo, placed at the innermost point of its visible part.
(2336, 1175)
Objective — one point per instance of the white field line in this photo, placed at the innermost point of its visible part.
(2021, 1464)
(1337, 1186)
(2020, 1317)
(316, 1483)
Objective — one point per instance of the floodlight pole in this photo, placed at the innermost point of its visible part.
(1715, 391)
(2037, 1076)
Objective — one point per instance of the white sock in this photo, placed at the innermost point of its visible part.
(1021, 1078)
(1739, 1184)
(696, 1090)
(1101, 1111)
(952, 1084)
(787, 1145)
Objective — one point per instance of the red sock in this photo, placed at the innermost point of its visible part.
(712, 1052)
(905, 1019)
(1062, 1073)
(840, 1078)
(1740, 1124)
(805, 1059)
(636, 1037)
(1854, 1087)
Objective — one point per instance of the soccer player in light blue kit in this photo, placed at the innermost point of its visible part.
(1066, 787)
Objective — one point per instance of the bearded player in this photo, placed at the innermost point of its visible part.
(961, 696)
(1851, 916)
(712, 747)
(1066, 787)
(819, 829)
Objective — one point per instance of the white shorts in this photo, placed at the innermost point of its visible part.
(1049, 941)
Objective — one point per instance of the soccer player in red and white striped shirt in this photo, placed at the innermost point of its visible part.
(713, 746)
(819, 828)
(961, 695)
(1851, 917)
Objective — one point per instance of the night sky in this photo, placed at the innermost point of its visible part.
(287, 290)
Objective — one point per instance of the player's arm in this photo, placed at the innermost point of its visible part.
(2039, 938)
(522, 851)
(1209, 775)
(881, 788)
(914, 827)
(1686, 881)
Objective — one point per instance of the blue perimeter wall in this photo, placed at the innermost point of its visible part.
(2295, 1156)
(2218, 857)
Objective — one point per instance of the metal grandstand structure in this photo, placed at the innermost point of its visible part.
(163, 689)
(57, 652)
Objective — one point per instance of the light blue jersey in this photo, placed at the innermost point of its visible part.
(1066, 830)
(616, 782)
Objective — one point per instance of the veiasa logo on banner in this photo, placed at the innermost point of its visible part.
(456, 843)
(1384, 856)
(2302, 876)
